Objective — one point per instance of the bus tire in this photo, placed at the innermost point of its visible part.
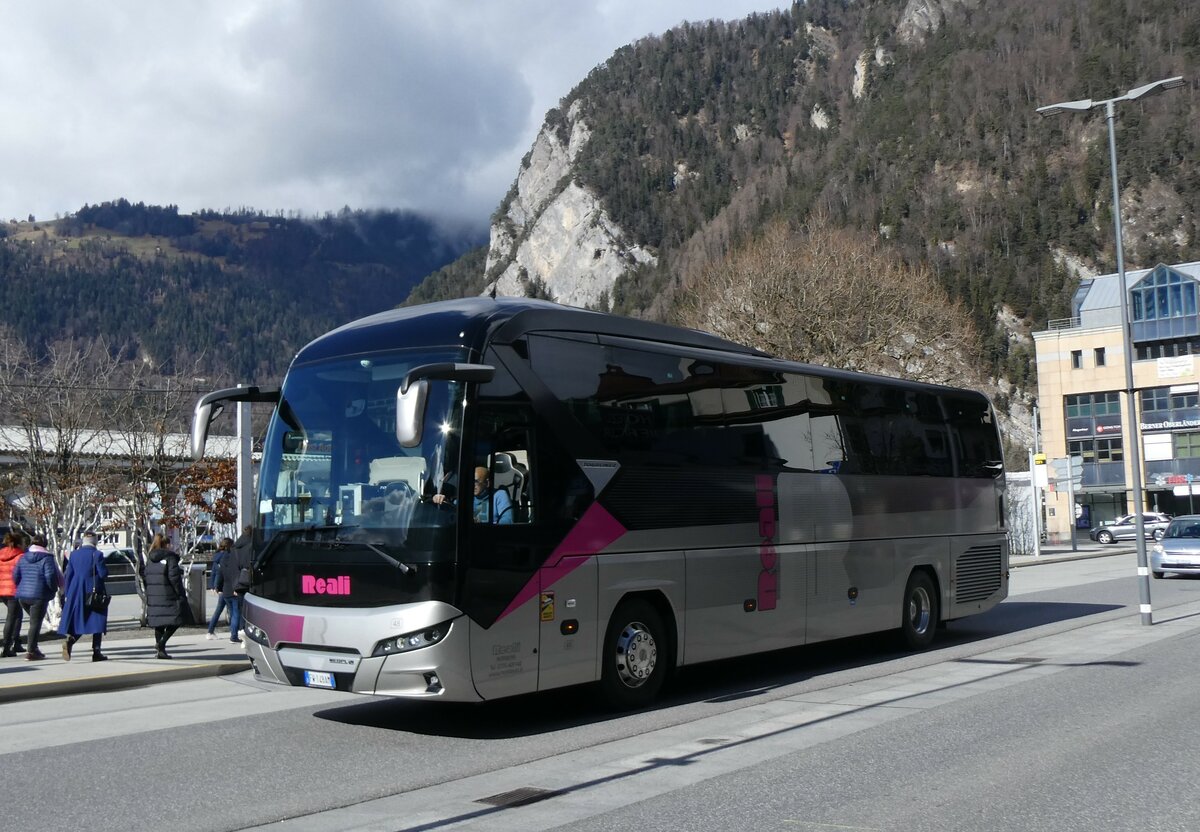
(635, 656)
(920, 613)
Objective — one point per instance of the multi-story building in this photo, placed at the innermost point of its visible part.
(1081, 379)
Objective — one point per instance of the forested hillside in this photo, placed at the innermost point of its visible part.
(925, 137)
(240, 289)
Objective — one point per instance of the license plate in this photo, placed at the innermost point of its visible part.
(316, 679)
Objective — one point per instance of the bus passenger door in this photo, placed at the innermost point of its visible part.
(504, 552)
(504, 656)
(570, 631)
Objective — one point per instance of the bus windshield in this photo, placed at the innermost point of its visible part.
(333, 471)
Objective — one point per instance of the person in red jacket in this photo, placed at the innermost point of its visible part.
(14, 547)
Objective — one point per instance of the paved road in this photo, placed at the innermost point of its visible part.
(1021, 719)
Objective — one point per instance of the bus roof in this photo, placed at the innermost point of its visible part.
(473, 322)
(477, 321)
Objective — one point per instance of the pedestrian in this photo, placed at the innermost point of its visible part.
(233, 581)
(167, 606)
(38, 579)
(14, 547)
(223, 549)
(85, 574)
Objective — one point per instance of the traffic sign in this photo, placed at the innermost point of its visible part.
(1070, 468)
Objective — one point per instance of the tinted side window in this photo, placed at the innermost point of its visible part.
(976, 440)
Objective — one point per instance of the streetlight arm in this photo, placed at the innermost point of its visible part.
(1064, 106)
(1154, 88)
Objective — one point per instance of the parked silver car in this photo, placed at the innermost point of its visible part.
(1125, 527)
(1179, 549)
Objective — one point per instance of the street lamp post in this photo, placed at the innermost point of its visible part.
(1143, 91)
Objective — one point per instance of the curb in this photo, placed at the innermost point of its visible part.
(1031, 560)
(117, 681)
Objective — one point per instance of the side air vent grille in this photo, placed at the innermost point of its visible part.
(977, 574)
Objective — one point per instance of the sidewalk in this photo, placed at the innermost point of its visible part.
(130, 648)
(1059, 552)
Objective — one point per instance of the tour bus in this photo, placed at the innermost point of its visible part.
(485, 497)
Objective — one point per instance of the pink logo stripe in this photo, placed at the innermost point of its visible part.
(594, 532)
(278, 626)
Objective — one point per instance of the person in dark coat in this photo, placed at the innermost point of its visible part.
(37, 579)
(224, 549)
(86, 572)
(166, 601)
(230, 581)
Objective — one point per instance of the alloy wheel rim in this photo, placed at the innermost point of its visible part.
(637, 655)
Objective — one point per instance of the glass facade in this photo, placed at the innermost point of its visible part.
(1163, 307)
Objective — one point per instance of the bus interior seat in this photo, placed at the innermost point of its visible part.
(507, 475)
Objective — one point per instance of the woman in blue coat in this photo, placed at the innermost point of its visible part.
(85, 571)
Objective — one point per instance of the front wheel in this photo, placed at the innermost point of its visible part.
(919, 618)
(1104, 537)
(635, 655)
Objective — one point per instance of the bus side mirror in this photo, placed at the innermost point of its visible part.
(410, 413)
(410, 397)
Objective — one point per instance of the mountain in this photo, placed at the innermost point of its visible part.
(240, 291)
(910, 121)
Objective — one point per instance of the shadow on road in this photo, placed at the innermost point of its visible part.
(716, 683)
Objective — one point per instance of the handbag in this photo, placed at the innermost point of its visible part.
(242, 585)
(97, 600)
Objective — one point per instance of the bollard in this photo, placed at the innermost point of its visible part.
(196, 593)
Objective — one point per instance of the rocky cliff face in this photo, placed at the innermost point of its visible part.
(554, 235)
(922, 18)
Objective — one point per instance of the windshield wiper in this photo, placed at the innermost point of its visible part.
(404, 568)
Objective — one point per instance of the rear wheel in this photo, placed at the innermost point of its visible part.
(635, 655)
(1104, 537)
(919, 618)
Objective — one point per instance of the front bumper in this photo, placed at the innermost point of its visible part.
(1181, 564)
(339, 643)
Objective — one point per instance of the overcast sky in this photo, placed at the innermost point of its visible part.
(427, 105)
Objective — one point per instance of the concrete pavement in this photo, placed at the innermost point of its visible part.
(130, 648)
(131, 664)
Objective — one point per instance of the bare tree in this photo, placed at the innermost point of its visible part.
(56, 403)
(833, 296)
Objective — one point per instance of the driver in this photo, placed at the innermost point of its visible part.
(491, 505)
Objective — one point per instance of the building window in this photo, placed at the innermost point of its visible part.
(1082, 405)
(1187, 445)
(1168, 349)
(1163, 294)
(1099, 354)
(1076, 359)
(1170, 404)
(1109, 450)
(1097, 450)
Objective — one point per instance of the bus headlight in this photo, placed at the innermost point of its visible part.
(255, 633)
(411, 641)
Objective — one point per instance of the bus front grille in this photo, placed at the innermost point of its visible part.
(977, 574)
